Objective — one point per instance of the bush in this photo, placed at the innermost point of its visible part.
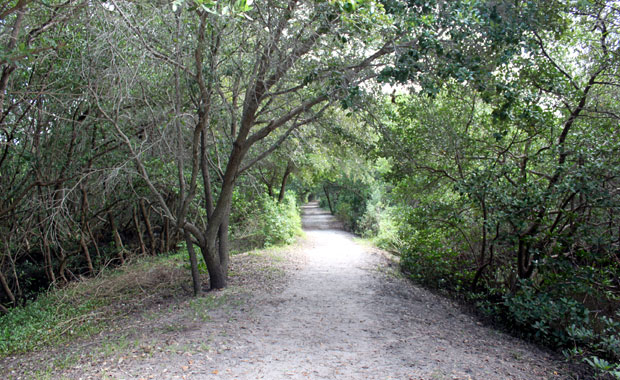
(544, 317)
(260, 221)
(345, 212)
(50, 319)
(379, 223)
(428, 259)
(553, 318)
(279, 222)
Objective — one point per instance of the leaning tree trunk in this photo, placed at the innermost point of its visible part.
(223, 248)
(84, 211)
(147, 224)
(118, 242)
(216, 257)
(329, 202)
(89, 262)
(193, 263)
(287, 172)
(525, 264)
(136, 224)
(7, 288)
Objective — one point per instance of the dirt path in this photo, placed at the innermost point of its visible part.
(340, 312)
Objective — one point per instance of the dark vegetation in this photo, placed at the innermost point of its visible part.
(505, 193)
(477, 139)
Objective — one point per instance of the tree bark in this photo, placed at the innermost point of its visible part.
(217, 278)
(136, 224)
(210, 253)
(329, 202)
(7, 288)
(62, 266)
(165, 236)
(524, 260)
(92, 238)
(117, 238)
(84, 210)
(147, 224)
(224, 244)
(193, 264)
(47, 258)
(287, 172)
(89, 262)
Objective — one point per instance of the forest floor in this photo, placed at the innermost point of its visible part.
(328, 307)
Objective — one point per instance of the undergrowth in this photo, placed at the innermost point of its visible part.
(51, 319)
(88, 307)
(85, 308)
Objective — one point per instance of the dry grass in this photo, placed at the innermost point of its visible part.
(137, 285)
(150, 297)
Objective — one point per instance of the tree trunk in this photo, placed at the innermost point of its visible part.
(524, 260)
(270, 189)
(84, 210)
(7, 288)
(329, 202)
(217, 278)
(193, 264)
(165, 236)
(62, 259)
(147, 224)
(219, 217)
(139, 232)
(84, 246)
(92, 238)
(287, 172)
(47, 256)
(224, 244)
(18, 288)
(117, 238)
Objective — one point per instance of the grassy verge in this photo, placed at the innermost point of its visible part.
(88, 307)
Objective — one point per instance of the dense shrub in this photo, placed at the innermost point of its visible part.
(50, 319)
(279, 223)
(428, 259)
(379, 222)
(259, 220)
(570, 302)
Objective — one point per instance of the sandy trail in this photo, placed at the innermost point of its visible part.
(342, 316)
(342, 313)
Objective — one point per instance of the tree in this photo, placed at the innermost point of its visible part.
(32, 39)
(508, 188)
(245, 75)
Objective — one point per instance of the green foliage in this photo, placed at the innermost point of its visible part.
(598, 345)
(427, 257)
(544, 316)
(50, 319)
(496, 176)
(280, 223)
(258, 220)
(379, 222)
(502, 182)
(86, 308)
(602, 366)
